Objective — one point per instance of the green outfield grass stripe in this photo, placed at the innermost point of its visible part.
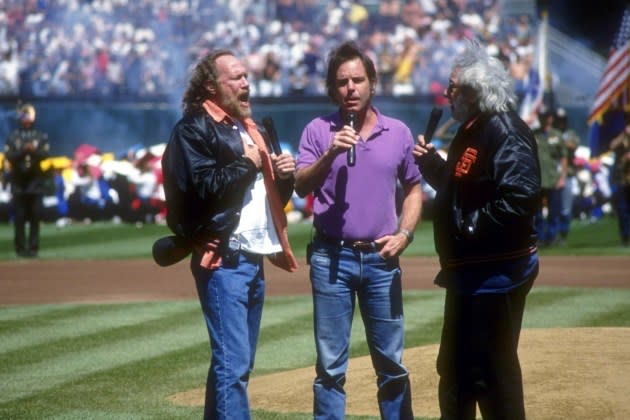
(426, 333)
(260, 414)
(618, 315)
(104, 240)
(420, 304)
(62, 321)
(294, 326)
(131, 249)
(70, 364)
(151, 330)
(287, 346)
(286, 337)
(571, 307)
(79, 322)
(413, 297)
(122, 389)
(281, 309)
(19, 312)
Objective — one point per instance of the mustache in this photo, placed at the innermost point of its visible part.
(243, 96)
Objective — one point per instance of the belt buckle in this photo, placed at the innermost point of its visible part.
(363, 246)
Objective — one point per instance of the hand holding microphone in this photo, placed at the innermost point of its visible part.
(283, 163)
(421, 150)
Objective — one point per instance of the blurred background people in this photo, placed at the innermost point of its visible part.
(91, 199)
(552, 154)
(571, 141)
(25, 149)
(621, 180)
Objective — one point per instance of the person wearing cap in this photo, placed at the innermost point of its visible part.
(25, 149)
(553, 157)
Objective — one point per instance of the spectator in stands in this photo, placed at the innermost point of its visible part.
(146, 204)
(90, 199)
(143, 39)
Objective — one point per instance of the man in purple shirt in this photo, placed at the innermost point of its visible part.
(359, 235)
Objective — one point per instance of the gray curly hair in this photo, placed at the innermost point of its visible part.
(487, 77)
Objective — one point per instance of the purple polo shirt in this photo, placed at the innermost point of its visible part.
(359, 202)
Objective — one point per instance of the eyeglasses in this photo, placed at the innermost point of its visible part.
(451, 87)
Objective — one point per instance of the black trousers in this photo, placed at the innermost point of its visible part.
(478, 361)
(27, 208)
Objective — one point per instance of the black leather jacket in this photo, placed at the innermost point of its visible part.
(488, 191)
(206, 177)
(27, 176)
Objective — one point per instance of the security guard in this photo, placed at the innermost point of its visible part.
(25, 149)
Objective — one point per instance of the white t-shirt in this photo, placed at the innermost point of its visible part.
(255, 231)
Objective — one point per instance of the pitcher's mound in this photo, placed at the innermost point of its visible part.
(581, 373)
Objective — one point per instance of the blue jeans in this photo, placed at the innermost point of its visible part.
(621, 201)
(338, 275)
(232, 302)
(548, 227)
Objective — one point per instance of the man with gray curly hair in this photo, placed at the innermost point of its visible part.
(487, 193)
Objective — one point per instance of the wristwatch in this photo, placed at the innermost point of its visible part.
(408, 234)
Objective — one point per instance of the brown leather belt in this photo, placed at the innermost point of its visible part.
(362, 245)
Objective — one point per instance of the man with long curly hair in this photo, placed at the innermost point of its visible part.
(225, 193)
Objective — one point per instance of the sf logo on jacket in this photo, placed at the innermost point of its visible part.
(465, 162)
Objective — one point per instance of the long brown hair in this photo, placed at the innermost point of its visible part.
(204, 73)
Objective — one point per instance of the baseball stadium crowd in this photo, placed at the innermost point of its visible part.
(144, 48)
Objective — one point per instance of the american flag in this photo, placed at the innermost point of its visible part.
(537, 81)
(614, 88)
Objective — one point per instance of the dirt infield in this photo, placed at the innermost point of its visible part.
(591, 373)
(43, 281)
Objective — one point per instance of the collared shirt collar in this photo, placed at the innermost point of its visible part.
(216, 112)
(219, 115)
(336, 123)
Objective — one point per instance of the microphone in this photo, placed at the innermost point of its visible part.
(434, 119)
(352, 153)
(274, 144)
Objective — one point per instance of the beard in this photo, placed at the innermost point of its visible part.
(460, 109)
(233, 104)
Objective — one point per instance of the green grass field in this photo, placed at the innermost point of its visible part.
(125, 241)
(122, 361)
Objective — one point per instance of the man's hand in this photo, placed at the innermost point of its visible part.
(252, 153)
(30, 146)
(422, 148)
(283, 165)
(392, 245)
(343, 140)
